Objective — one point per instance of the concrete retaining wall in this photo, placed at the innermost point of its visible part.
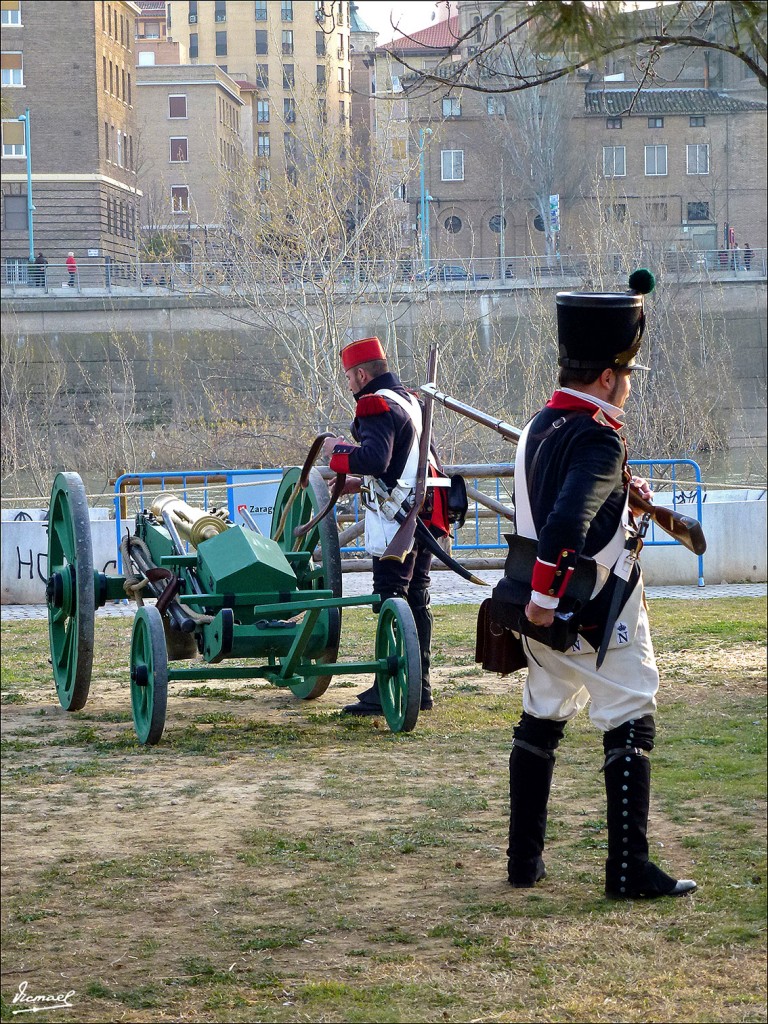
(735, 532)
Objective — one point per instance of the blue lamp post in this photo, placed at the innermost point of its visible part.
(30, 208)
(424, 201)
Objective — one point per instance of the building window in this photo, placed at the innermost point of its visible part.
(698, 211)
(262, 76)
(453, 225)
(11, 12)
(320, 75)
(289, 110)
(265, 177)
(287, 41)
(262, 145)
(13, 139)
(340, 75)
(698, 159)
(109, 216)
(656, 212)
(192, 12)
(262, 111)
(697, 121)
(320, 44)
(262, 42)
(193, 44)
(221, 44)
(655, 161)
(119, 147)
(12, 69)
(177, 106)
(179, 151)
(399, 149)
(261, 10)
(15, 211)
(495, 105)
(342, 112)
(104, 70)
(286, 10)
(289, 78)
(220, 11)
(655, 122)
(106, 142)
(452, 165)
(180, 198)
(616, 211)
(451, 106)
(614, 161)
(322, 111)
(613, 122)
(129, 88)
(497, 223)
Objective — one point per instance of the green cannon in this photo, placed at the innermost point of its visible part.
(221, 591)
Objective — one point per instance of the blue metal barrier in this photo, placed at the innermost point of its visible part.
(485, 535)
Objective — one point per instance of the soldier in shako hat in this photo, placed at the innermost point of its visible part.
(571, 496)
(385, 455)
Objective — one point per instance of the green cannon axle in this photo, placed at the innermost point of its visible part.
(221, 592)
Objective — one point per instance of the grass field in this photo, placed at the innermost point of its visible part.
(270, 860)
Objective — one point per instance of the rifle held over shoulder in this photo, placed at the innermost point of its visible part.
(684, 529)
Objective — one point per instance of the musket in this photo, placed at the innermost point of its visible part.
(684, 529)
(401, 543)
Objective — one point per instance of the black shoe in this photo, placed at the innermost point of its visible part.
(652, 884)
(528, 881)
(362, 710)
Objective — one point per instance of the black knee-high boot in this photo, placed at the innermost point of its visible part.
(419, 601)
(531, 765)
(629, 873)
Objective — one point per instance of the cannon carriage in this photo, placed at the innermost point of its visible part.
(221, 592)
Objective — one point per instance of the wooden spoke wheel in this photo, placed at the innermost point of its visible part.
(323, 571)
(400, 683)
(149, 675)
(69, 591)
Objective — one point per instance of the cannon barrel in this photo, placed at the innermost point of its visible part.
(194, 524)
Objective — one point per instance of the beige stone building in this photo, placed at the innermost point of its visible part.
(297, 54)
(193, 128)
(672, 169)
(72, 67)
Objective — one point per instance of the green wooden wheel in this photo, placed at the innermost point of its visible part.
(69, 591)
(323, 574)
(149, 675)
(400, 683)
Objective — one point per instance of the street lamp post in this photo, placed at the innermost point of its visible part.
(424, 201)
(30, 208)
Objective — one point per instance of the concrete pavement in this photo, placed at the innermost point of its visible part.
(447, 588)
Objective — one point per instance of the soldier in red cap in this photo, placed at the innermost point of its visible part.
(571, 497)
(384, 455)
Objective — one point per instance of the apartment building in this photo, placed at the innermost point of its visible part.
(676, 164)
(72, 67)
(193, 128)
(296, 54)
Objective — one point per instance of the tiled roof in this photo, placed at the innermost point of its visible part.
(246, 86)
(151, 6)
(441, 35)
(614, 102)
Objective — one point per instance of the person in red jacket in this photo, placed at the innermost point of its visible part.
(72, 268)
(385, 452)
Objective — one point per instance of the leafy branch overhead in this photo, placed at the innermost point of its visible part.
(571, 36)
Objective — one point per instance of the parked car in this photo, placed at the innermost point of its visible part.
(449, 272)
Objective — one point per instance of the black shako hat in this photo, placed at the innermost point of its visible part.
(603, 330)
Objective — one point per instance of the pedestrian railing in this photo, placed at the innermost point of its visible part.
(222, 277)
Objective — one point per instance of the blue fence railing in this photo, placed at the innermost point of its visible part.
(676, 481)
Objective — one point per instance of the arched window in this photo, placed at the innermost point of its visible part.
(497, 223)
(453, 225)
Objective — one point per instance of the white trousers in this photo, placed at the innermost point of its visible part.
(559, 685)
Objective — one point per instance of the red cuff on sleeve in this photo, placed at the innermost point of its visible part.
(553, 579)
(339, 462)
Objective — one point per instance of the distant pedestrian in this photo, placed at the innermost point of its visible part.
(72, 268)
(40, 273)
(747, 256)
